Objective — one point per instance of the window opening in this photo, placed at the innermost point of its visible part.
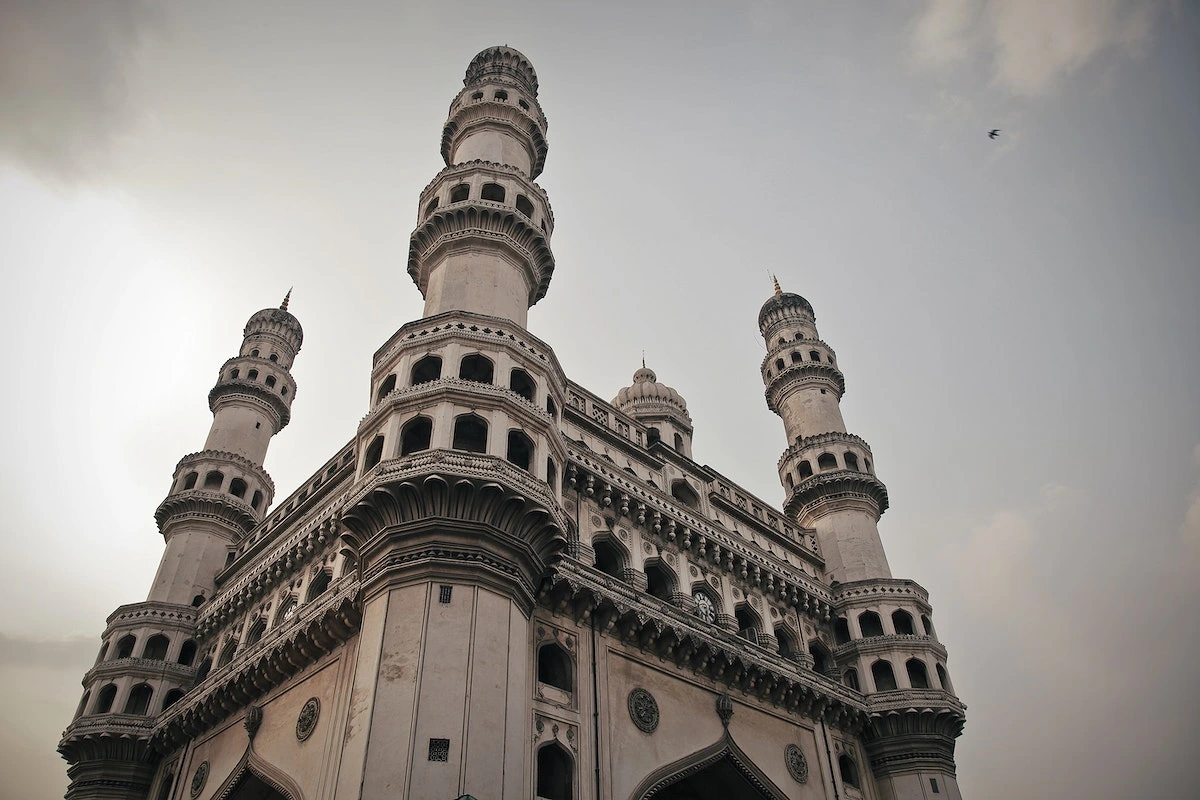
(870, 624)
(427, 369)
(374, 453)
(885, 678)
(475, 368)
(460, 193)
(492, 192)
(554, 778)
(416, 435)
(386, 388)
(520, 382)
(319, 584)
(554, 667)
(470, 434)
(156, 647)
(444, 593)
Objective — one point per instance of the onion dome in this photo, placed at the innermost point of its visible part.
(503, 63)
(784, 304)
(647, 397)
(277, 322)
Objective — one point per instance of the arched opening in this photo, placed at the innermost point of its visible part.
(171, 698)
(554, 667)
(826, 461)
(139, 700)
(431, 206)
(653, 436)
(902, 621)
(805, 470)
(227, 652)
(319, 584)
(821, 657)
(943, 678)
(884, 677)
(554, 773)
(83, 701)
(848, 770)
(460, 193)
(659, 581)
(427, 369)
(252, 374)
(524, 205)
(286, 610)
(187, 653)
(867, 464)
(492, 192)
(520, 449)
(213, 480)
(850, 679)
(475, 368)
(608, 559)
(789, 645)
(203, 670)
(270, 380)
(748, 625)
(156, 647)
(870, 624)
(520, 382)
(470, 434)
(197, 601)
(551, 406)
(168, 783)
(682, 491)
(374, 453)
(790, 481)
(779, 365)
(796, 357)
(416, 435)
(125, 646)
(103, 652)
(252, 787)
(233, 374)
(918, 673)
(551, 475)
(851, 461)
(841, 631)
(799, 337)
(814, 355)
(720, 771)
(104, 699)
(386, 388)
(190, 481)
(927, 624)
(678, 443)
(256, 503)
(237, 488)
(257, 629)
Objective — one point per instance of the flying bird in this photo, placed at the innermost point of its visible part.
(993, 133)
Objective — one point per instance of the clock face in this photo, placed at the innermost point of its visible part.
(290, 610)
(704, 607)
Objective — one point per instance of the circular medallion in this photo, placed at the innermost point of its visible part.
(643, 710)
(797, 765)
(307, 721)
(200, 778)
(705, 609)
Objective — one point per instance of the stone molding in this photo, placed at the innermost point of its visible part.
(776, 350)
(502, 61)
(477, 165)
(833, 437)
(152, 612)
(466, 392)
(913, 730)
(241, 462)
(198, 504)
(723, 748)
(255, 393)
(827, 492)
(879, 645)
(490, 112)
(794, 376)
(139, 667)
(855, 594)
(118, 737)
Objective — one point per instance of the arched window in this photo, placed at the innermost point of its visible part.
(189, 482)
(850, 679)
(524, 206)
(851, 460)
(805, 470)
(83, 701)
(256, 503)
(799, 337)
(841, 630)
(125, 646)
(884, 677)
(520, 382)
(139, 700)
(416, 435)
(551, 475)
(237, 488)
(187, 653)
(270, 381)
(492, 192)
(233, 374)
(477, 96)
(902, 621)
(252, 374)
(554, 778)
(470, 434)
(501, 95)
(103, 652)
(791, 482)
(779, 365)
(821, 657)
(171, 698)
(551, 406)
(867, 464)
(927, 624)
(156, 647)
(653, 436)
(319, 584)
(104, 699)
(747, 624)
(682, 491)
(870, 624)
(848, 770)
(257, 629)
(554, 667)
(796, 357)
(197, 601)
(167, 785)
(678, 443)
(254, 353)
(227, 652)
(814, 355)
(374, 453)
(286, 610)
(203, 670)
(386, 388)
(213, 480)
(431, 206)
(523, 104)
(789, 647)
(427, 369)
(659, 581)
(460, 193)
(943, 678)
(826, 461)
(918, 673)
(475, 368)
(608, 559)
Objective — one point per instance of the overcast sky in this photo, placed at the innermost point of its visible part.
(1017, 319)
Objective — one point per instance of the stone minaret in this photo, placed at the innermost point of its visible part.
(148, 656)
(829, 474)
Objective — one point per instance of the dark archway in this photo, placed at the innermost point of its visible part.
(718, 772)
(251, 787)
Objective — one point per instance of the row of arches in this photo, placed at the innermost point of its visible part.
(491, 192)
(473, 367)
(500, 96)
(154, 649)
(883, 676)
(138, 701)
(827, 462)
(214, 480)
(797, 357)
(870, 624)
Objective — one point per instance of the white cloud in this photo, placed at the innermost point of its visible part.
(1032, 45)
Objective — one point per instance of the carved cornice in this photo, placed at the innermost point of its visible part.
(471, 392)
(197, 504)
(913, 730)
(810, 442)
(492, 225)
(523, 126)
(243, 463)
(467, 168)
(862, 593)
(794, 344)
(255, 393)
(117, 737)
(154, 613)
(140, 667)
(795, 376)
(878, 645)
(826, 492)
(501, 62)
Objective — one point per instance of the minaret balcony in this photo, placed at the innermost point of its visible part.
(258, 383)
(208, 506)
(781, 382)
(840, 489)
(499, 108)
(889, 643)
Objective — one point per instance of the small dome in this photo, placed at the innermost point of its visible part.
(648, 395)
(502, 62)
(277, 321)
(783, 301)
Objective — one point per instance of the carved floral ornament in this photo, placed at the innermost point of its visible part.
(797, 764)
(643, 710)
(306, 723)
(199, 778)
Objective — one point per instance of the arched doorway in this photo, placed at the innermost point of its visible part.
(251, 787)
(720, 771)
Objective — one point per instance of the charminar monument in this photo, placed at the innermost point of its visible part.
(504, 586)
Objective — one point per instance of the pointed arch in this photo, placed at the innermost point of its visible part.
(723, 752)
(254, 765)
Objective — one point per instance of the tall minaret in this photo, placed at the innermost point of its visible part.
(829, 474)
(482, 242)
(148, 656)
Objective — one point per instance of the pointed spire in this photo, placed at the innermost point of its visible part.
(283, 306)
(643, 359)
(778, 291)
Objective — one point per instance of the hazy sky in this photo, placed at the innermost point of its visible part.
(1016, 318)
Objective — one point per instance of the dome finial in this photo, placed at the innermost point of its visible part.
(287, 297)
(643, 359)
(778, 291)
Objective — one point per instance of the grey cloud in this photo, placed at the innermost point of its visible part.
(65, 83)
(18, 651)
